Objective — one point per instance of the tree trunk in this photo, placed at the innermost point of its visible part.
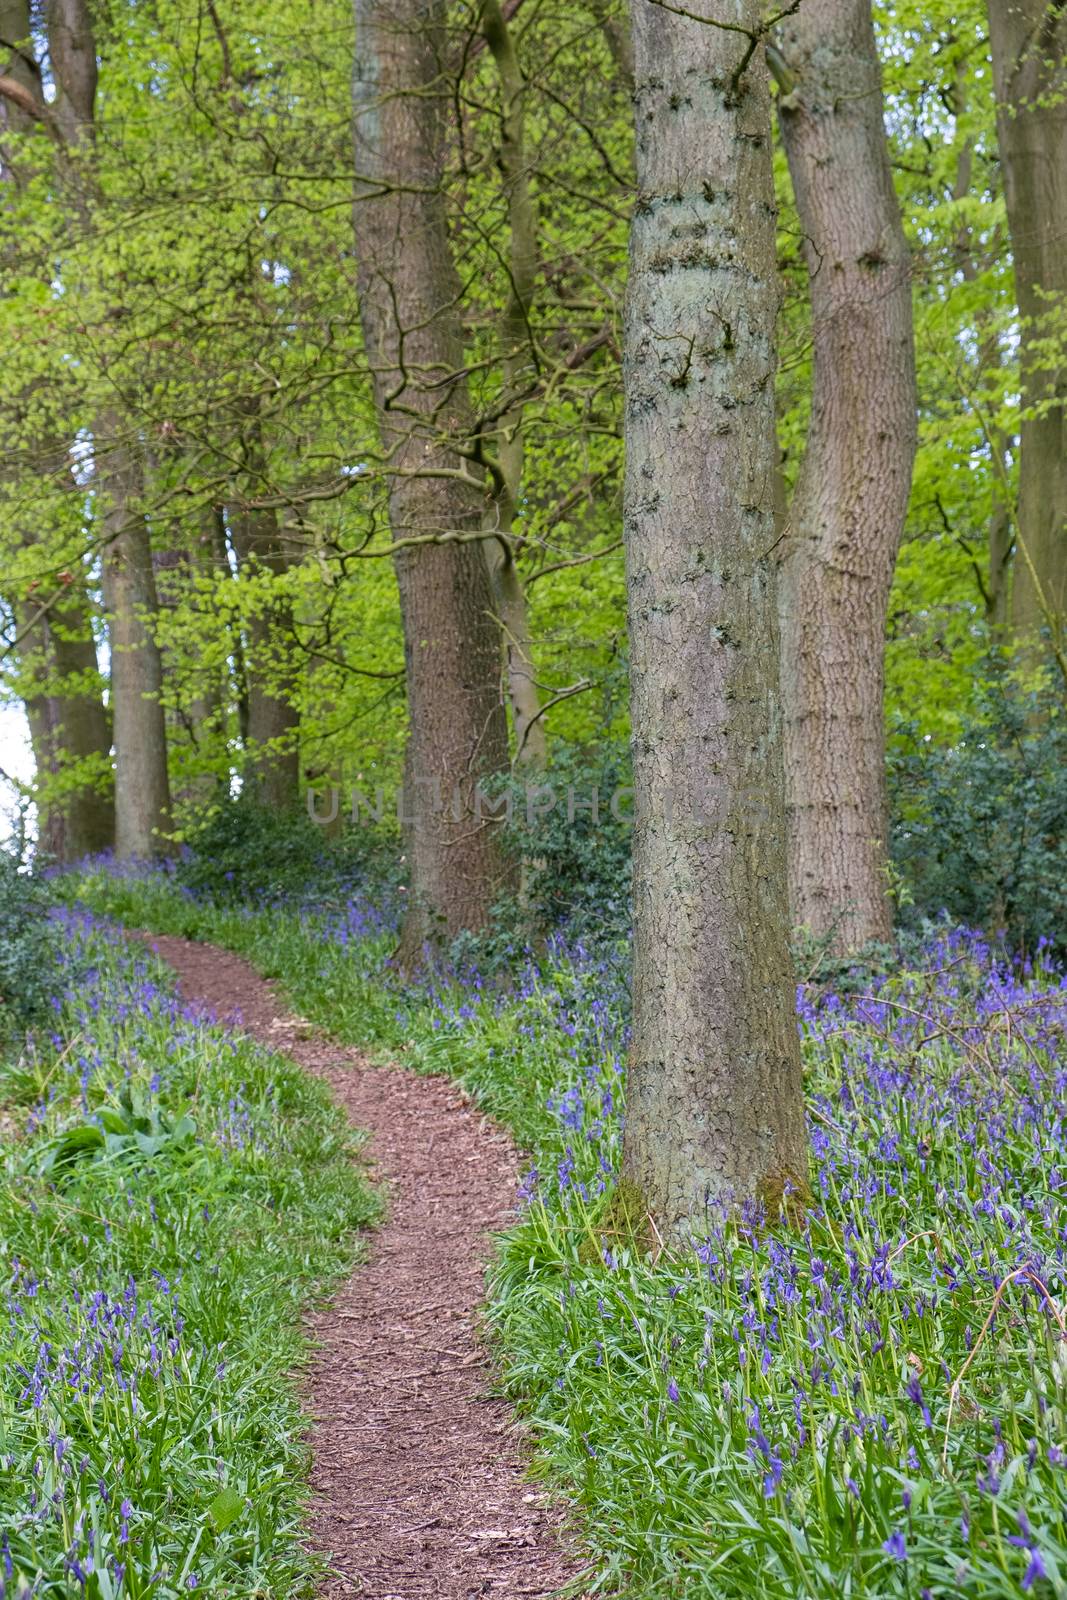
(847, 517)
(995, 587)
(409, 295)
(615, 25)
(714, 1110)
(142, 792)
(513, 617)
(61, 682)
(195, 721)
(76, 811)
(518, 367)
(273, 729)
(1029, 47)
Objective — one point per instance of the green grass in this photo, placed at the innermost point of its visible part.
(173, 1200)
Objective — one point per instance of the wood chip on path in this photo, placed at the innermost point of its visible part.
(417, 1470)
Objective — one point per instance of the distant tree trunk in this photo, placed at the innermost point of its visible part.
(995, 587)
(409, 296)
(847, 516)
(714, 1112)
(1029, 47)
(518, 367)
(142, 789)
(19, 64)
(273, 728)
(68, 728)
(614, 20)
(194, 721)
(61, 682)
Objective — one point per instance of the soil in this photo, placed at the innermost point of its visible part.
(418, 1470)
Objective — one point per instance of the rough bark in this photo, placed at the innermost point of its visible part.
(844, 527)
(142, 790)
(408, 300)
(272, 734)
(714, 1107)
(1029, 48)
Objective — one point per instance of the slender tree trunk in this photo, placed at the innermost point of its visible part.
(409, 296)
(1029, 47)
(614, 20)
(847, 517)
(60, 684)
(142, 790)
(273, 728)
(518, 367)
(41, 720)
(714, 1109)
(196, 715)
(995, 588)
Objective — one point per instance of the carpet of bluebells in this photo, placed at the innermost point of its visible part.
(871, 1402)
(171, 1197)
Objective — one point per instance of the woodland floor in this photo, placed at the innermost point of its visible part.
(417, 1469)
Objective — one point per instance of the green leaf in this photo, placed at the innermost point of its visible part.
(113, 1120)
(225, 1508)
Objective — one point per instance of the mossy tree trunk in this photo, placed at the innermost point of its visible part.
(714, 1108)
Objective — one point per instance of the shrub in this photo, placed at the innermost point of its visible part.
(980, 828)
(171, 1198)
(573, 845)
(27, 948)
(247, 852)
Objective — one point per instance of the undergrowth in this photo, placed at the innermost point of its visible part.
(872, 1404)
(172, 1198)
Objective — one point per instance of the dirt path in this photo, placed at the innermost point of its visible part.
(417, 1472)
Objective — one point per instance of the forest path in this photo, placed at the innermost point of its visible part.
(417, 1476)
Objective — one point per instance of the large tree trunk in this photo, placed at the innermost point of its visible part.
(1029, 46)
(845, 524)
(142, 791)
(714, 1111)
(68, 728)
(409, 296)
(273, 727)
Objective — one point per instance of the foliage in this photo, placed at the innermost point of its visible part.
(872, 1403)
(170, 1200)
(568, 829)
(182, 291)
(980, 826)
(246, 851)
(28, 948)
(192, 283)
